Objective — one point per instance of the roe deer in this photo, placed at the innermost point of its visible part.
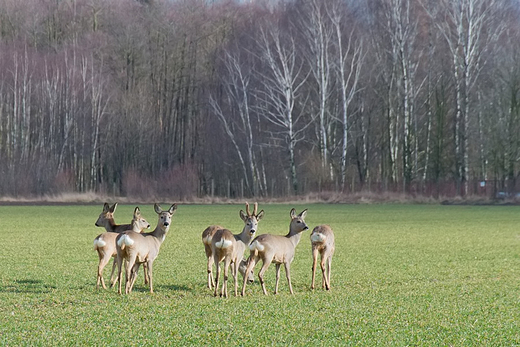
(208, 234)
(276, 249)
(138, 248)
(105, 244)
(322, 242)
(106, 220)
(230, 248)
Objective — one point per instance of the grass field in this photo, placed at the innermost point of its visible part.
(401, 275)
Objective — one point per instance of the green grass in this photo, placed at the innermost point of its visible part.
(402, 275)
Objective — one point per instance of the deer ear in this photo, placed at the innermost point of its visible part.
(106, 207)
(113, 207)
(172, 208)
(303, 214)
(260, 215)
(242, 215)
(157, 208)
(293, 213)
(137, 211)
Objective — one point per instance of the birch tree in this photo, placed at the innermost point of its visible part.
(236, 80)
(281, 78)
(318, 33)
(347, 64)
(469, 28)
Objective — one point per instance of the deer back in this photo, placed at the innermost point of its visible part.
(281, 248)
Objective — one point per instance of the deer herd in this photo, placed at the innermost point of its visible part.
(130, 247)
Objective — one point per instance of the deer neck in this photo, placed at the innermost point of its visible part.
(160, 233)
(135, 228)
(245, 236)
(294, 237)
(110, 225)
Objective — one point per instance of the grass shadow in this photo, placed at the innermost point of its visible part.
(27, 286)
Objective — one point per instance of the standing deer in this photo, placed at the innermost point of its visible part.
(230, 248)
(106, 220)
(105, 244)
(138, 248)
(208, 234)
(276, 249)
(322, 242)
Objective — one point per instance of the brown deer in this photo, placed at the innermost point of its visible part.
(230, 248)
(106, 220)
(276, 249)
(105, 244)
(208, 234)
(138, 248)
(322, 242)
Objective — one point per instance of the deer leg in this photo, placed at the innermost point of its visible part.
(323, 272)
(211, 281)
(224, 292)
(112, 274)
(217, 275)
(119, 270)
(250, 265)
(128, 273)
(314, 262)
(288, 274)
(277, 278)
(102, 263)
(235, 274)
(145, 272)
(116, 279)
(329, 268)
(133, 275)
(265, 265)
(149, 266)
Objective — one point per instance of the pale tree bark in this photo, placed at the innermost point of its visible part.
(348, 62)
(318, 34)
(95, 84)
(402, 30)
(469, 28)
(236, 86)
(281, 81)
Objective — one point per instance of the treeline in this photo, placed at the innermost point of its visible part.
(261, 98)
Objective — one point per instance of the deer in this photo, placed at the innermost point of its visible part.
(322, 242)
(105, 243)
(276, 249)
(138, 249)
(106, 220)
(230, 248)
(208, 234)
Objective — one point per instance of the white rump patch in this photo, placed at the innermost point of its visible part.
(256, 245)
(223, 243)
(98, 243)
(318, 237)
(125, 239)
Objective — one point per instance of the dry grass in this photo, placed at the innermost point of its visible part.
(326, 197)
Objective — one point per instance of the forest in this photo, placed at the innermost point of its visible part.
(259, 98)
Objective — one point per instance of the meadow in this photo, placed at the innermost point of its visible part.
(401, 275)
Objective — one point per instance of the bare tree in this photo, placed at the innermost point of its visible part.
(280, 97)
(236, 87)
(318, 33)
(469, 28)
(348, 62)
